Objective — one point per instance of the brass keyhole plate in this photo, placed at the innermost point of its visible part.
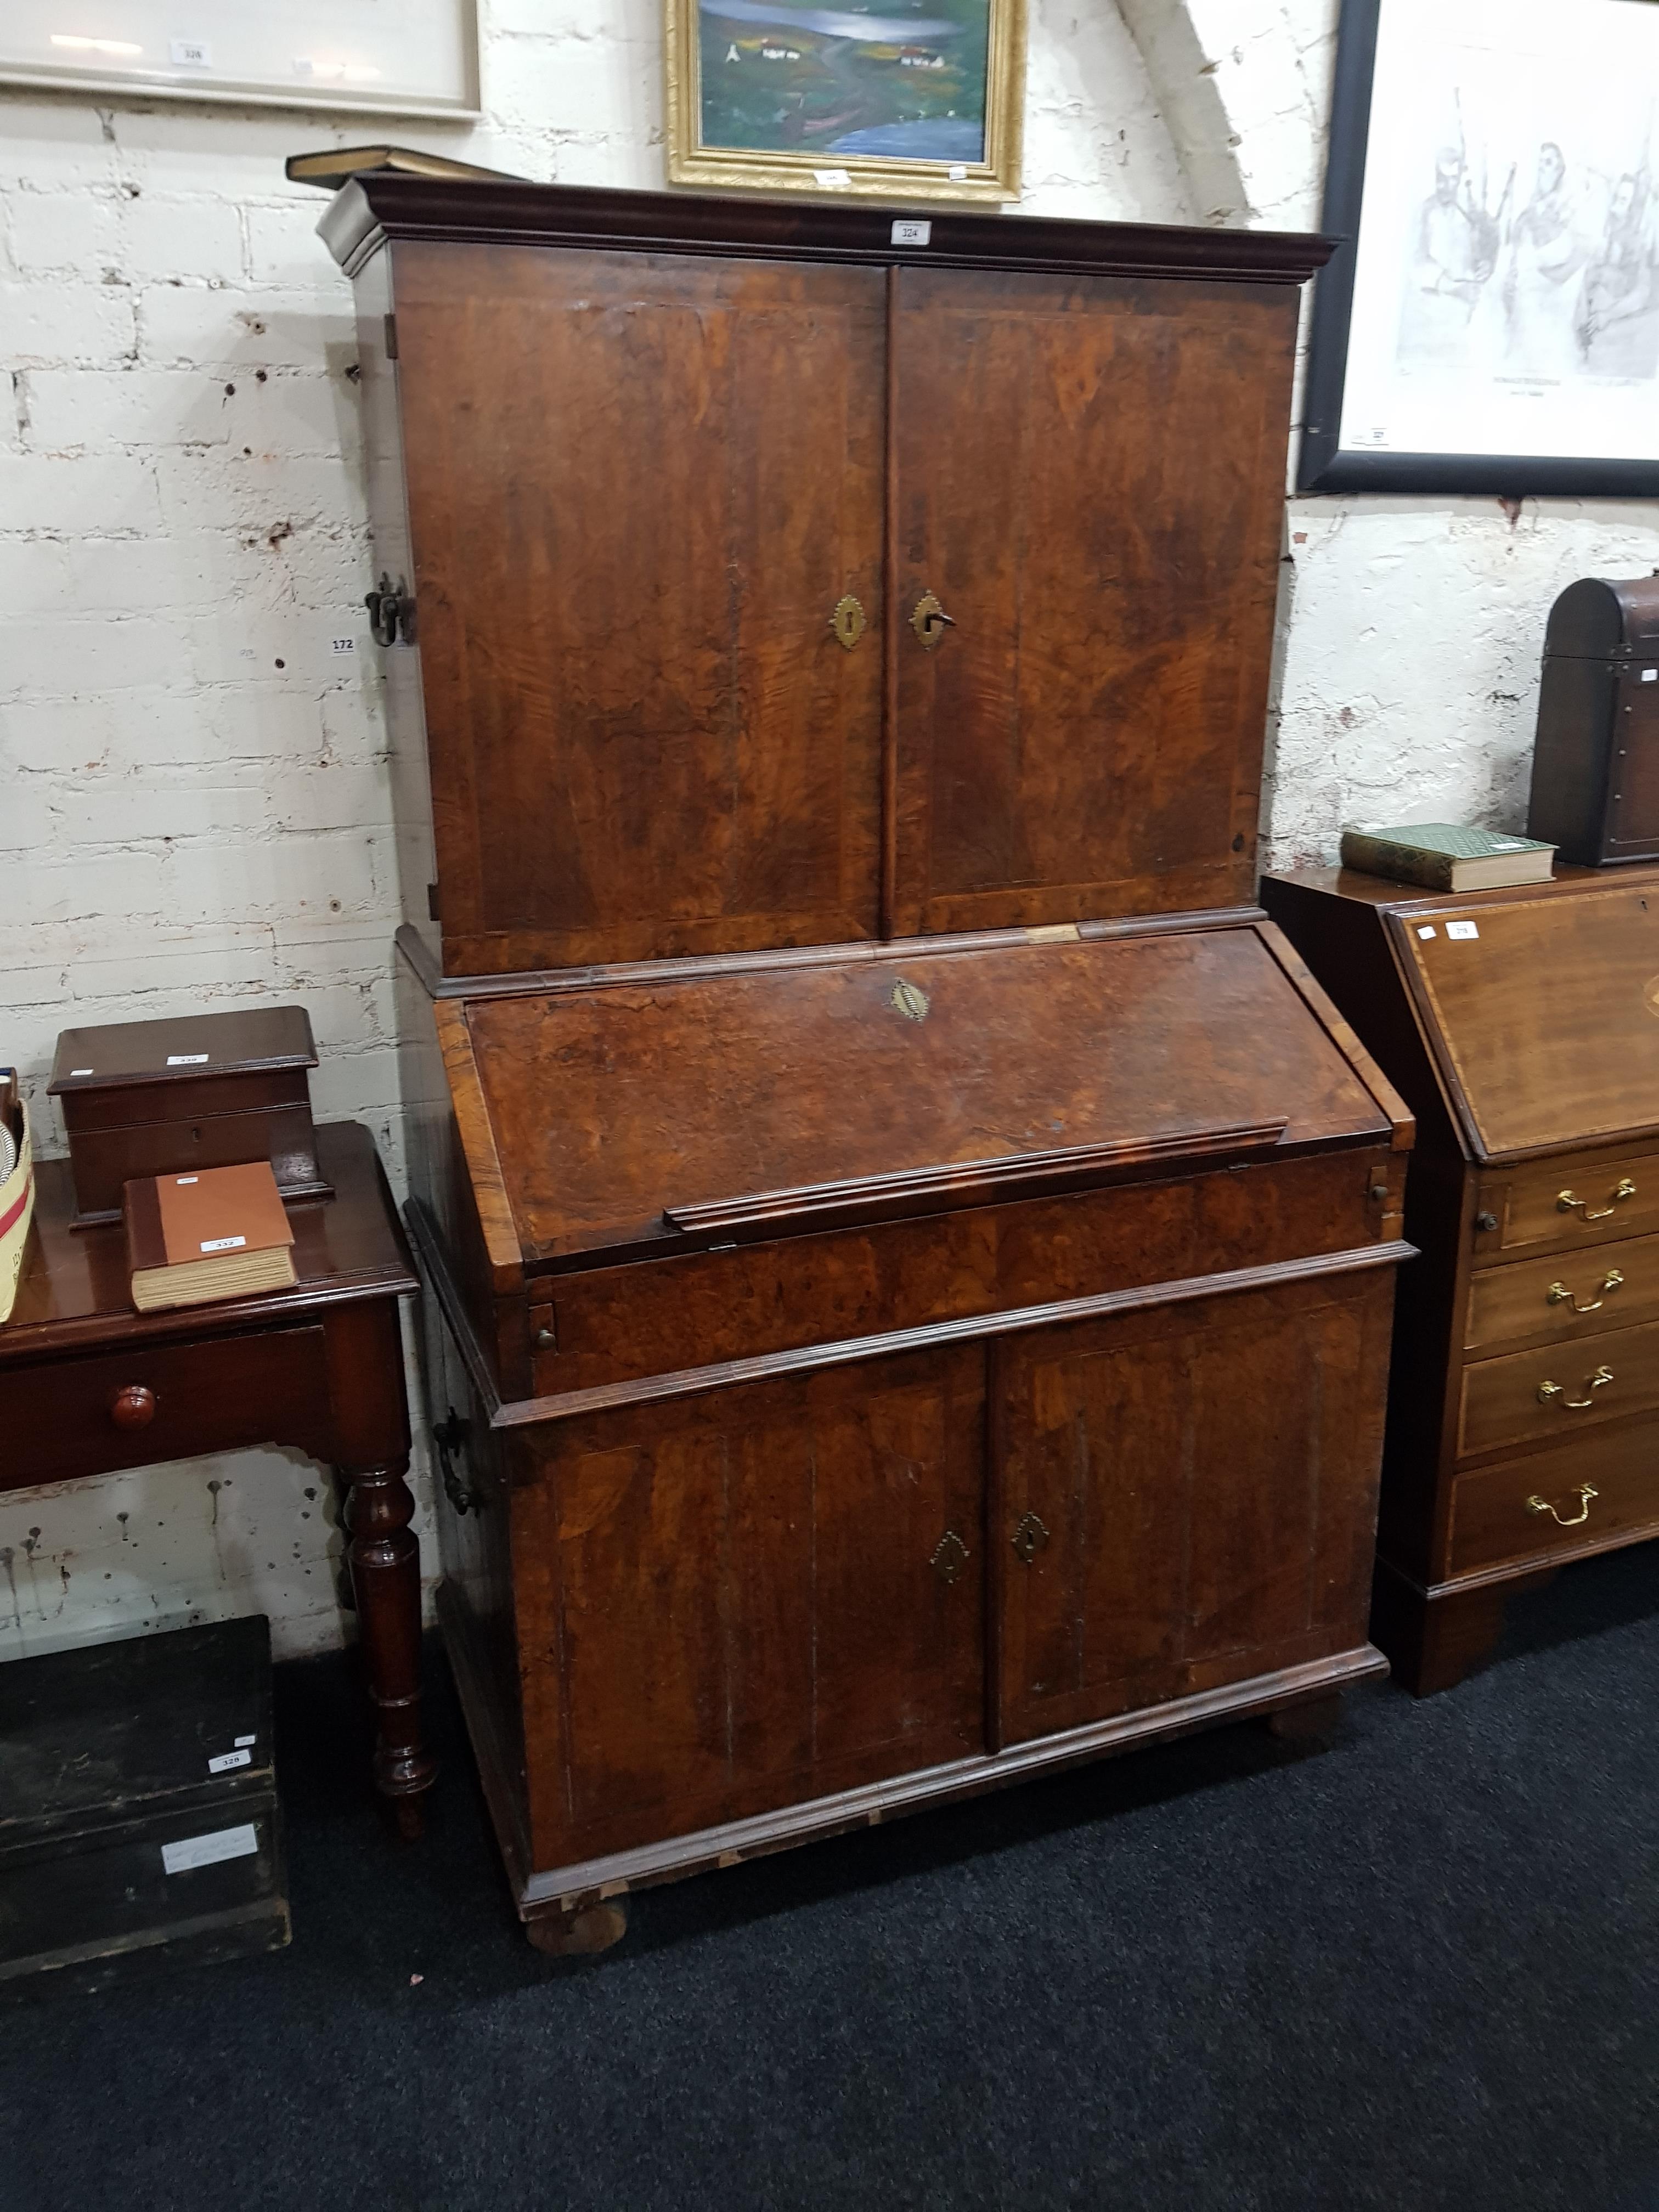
(848, 621)
(1030, 1537)
(950, 1556)
(929, 620)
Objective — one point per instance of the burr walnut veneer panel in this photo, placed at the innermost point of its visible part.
(1086, 737)
(646, 738)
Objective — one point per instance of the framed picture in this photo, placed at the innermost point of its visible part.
(1491, 321)
(352, 57)
(904, 100)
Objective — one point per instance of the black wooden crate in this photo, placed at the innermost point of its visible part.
(138, 1815)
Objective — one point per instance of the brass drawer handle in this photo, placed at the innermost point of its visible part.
(1537, 1504)
(1558, 1294)
(1566, 1203)
(1029, 1538)
(1549, 1391)
(949, 1556)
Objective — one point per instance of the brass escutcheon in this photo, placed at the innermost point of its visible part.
(1537, 1504)
(1029, 1538)
(1566, 1203)
(1548, 1392)
(1558, 1294)
(929, 620)
(848, 621)
(950, 1556)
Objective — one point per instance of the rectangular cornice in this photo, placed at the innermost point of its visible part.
(371, 210)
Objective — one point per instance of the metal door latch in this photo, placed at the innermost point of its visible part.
(391, 611)
(449, 1436)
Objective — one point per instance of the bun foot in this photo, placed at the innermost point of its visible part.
(579, 1935)
(1315, 1721)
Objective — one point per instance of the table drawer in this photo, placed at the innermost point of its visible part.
(1494, 1516)
(1568, 1199)
(1528, 1397)
(67, 1416)
(1566, 1295)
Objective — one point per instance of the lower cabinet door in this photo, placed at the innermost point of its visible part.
(730, 1603)
(1187, 1497)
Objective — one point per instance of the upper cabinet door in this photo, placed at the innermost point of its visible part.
(640, 488)
(1088, 494)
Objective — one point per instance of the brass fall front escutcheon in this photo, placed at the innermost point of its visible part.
(929, 620)
(1030, 1537)
(848, 621)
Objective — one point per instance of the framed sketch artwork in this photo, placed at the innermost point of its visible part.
(1491, 322)
(353, 56)
(899, 99)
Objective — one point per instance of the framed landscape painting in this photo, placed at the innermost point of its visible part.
(903, 100)
(1491, 320)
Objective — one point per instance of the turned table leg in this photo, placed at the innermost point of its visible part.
(386, 1578)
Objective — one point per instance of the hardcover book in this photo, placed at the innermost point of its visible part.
(1443, 856)
(220, 1233)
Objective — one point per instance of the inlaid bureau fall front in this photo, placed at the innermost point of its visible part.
(911, 1249)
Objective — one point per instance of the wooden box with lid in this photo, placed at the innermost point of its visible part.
(1522, 1027)
(1595, 766)
(195, 1091)
(911, 1249)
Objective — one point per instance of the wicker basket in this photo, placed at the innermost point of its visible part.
(16, 1190)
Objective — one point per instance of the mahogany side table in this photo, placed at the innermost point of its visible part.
(89, 1386)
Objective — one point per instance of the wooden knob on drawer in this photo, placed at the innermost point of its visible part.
(133, 1407)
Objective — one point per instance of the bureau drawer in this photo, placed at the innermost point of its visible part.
(1495, 1517)
(1567, 1295)
(1567, 1200)
(1530, 1395)
(61, 1418)
(610, 1324)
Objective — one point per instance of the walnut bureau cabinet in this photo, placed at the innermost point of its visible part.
(911, 1249)
(1522, 1027)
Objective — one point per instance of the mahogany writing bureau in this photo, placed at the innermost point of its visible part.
(1523, 1027)
(911, 1249)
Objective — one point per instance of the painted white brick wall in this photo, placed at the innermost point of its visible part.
(193, 801)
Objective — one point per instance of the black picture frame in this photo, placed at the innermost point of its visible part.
(1326, 465)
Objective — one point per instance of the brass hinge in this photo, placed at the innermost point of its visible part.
(391, 338)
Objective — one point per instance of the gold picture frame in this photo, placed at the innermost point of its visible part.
(868, 99)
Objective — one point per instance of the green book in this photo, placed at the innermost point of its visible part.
(1443, 856)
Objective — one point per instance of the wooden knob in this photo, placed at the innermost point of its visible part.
(133, 1407)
